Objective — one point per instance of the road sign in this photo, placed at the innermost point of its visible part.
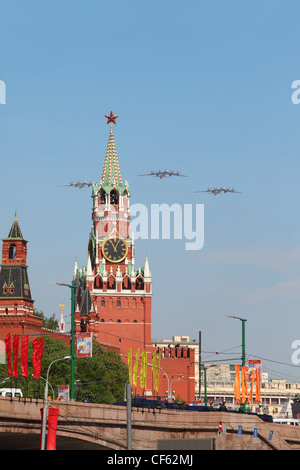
(239, 430)
(255, 433)
(270, 435)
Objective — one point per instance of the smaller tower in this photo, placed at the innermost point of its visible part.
(15, 295)
(62, 325)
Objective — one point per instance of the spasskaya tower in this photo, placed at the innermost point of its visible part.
(113, 298)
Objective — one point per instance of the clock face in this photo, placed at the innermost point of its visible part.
(114, 249)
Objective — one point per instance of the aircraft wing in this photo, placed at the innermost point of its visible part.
(148, 174)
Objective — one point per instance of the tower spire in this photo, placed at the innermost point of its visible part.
(111, 174)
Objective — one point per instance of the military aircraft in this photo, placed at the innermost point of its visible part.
(216, 191)
(163, 174)
(79, 184)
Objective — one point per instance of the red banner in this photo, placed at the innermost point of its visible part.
(7, 342)
(16, 355)
(24, 357)
(37, 356)
(52, 427)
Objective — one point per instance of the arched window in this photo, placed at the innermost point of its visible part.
(102, 320)
(139, 283)
(102, 196)
(12, 252)
(83, 326)
(119, 321)
(126, 283)
(114, 197)
(98, 284)
(102, 303)
(111, 283)
(118, 303)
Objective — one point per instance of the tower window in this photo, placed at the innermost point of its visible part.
(102, 303)
(126, 283)
(118, 321)
(111, 283)
(12, 252)
(102, 197)
(114, 197)
(118, 303)
(139, 283)
(83, 326)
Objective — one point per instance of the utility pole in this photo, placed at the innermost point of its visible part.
(129, 424)
(199, 365)
(243, 320)
(72, 386)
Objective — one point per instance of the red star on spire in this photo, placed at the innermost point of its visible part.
(111, 118)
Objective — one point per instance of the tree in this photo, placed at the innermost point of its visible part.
(49, 323)
(103, 377)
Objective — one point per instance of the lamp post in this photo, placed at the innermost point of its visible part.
(168, 380)
(243, 320)
(45, 407)
(72, 388)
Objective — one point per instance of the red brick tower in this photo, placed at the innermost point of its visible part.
(15, 295)
(16, 303)
(113, 298)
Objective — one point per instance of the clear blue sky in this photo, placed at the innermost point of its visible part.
(201, 87)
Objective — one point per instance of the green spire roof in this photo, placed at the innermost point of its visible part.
(111, 174)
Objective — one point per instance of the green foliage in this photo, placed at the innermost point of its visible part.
(49, 323)
(103, 377)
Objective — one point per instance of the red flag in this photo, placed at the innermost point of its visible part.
(7, 342)
(16, 355)
(52, 427)
(24, 357)
(37, 356)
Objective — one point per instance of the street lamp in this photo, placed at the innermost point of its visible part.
(243, 320)
(72, 389)
(168, 380)
(45, 408)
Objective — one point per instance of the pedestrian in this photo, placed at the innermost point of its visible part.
(86, 399)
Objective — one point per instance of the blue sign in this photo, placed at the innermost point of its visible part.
(239, 430)
(255, 433)
(270, 435)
